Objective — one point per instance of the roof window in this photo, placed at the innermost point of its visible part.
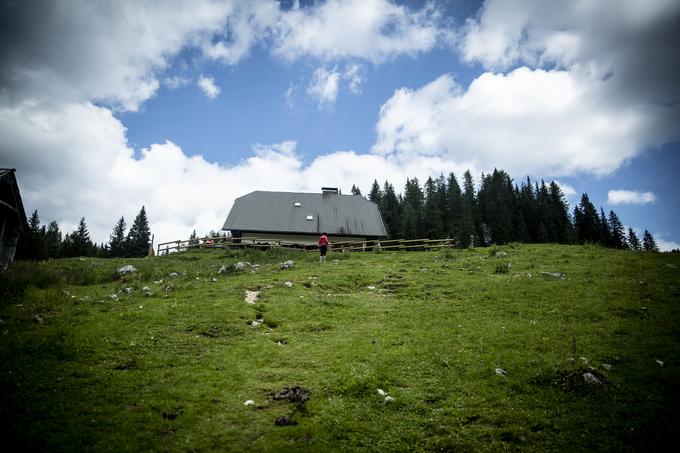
(310, 217)
(298, 204)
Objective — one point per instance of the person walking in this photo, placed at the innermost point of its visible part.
(323, 247)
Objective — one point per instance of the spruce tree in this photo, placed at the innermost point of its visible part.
(53, 240)
(193, 239)
(648, 242)
(81, 243)
(433, 225)
(355, 190)
(587, 222)
(390, 210)
(139, 236)
(376, 194)
(616, 232)
(454, 207)
(118, 242)
(469, 207)
(412, 217)
(605, 233)
(633, 241)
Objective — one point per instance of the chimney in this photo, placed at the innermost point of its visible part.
(325, 190)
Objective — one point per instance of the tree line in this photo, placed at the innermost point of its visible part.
(500, 211)
(46, 241)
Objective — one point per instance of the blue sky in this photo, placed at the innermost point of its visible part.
(184, 106)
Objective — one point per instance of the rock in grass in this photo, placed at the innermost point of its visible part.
(249, 403)
(114, 296)
(501, 253)
(590, 378)
(129, 290)
(285, 420)
(288, 284)
(555, 275)
(287, 264)
(128, 269)
(388, 399)
(659, 362)
(501, 372)
(381, 392)
(147, 291)
(174, 275)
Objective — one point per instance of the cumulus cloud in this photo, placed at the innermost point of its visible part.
(596, 86)
(526, 121)
(615, 197)
(664, 244)
(373, 30)
(628, 43)
(207, 85)
(110, 52)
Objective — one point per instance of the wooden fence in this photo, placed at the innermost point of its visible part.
(268, 243)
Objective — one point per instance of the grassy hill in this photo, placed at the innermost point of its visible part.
(484, 349)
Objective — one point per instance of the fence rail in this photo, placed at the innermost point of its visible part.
(268, 243)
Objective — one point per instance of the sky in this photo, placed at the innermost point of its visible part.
(184, 106)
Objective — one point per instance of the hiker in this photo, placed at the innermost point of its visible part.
(323, 247)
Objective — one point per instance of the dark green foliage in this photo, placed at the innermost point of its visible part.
(376, 195)
(78, 242)
(355, 190)
(648, 242)
(617, 234)
(139, 237)
(633, 241)
(118, 242)
(53, 240)
(587, 222)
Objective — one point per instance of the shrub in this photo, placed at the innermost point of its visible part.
(502, 267)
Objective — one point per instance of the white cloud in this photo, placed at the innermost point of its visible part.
(373, 30)
(627, 42)
(175, 82)
(324, 86)
(207, 85)
(615, 197)
(81, 50)
(665, 245)
(526, 122)
(354, 74)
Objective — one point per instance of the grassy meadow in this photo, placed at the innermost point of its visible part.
(479, 350)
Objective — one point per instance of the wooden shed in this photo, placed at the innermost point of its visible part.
(13, 222)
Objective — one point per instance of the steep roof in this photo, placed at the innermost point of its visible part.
(344, 215)
(10, 198)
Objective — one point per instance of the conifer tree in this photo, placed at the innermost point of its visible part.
(53, 240)
(648, 242)
(587, 222)
(469, 208)
(454, 207)
(118, 241)
(81, 244)
(355, 190)
(605, 233)
(376, 194)
(633, 241)
(616, 232)
(433, 225)
(390, 210)
(193, 239)
(139, 236)
(412, 210)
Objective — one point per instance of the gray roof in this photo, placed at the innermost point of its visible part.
(340, 215)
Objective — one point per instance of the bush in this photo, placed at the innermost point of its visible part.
(502, 267)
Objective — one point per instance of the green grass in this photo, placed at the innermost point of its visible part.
(81, 371)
